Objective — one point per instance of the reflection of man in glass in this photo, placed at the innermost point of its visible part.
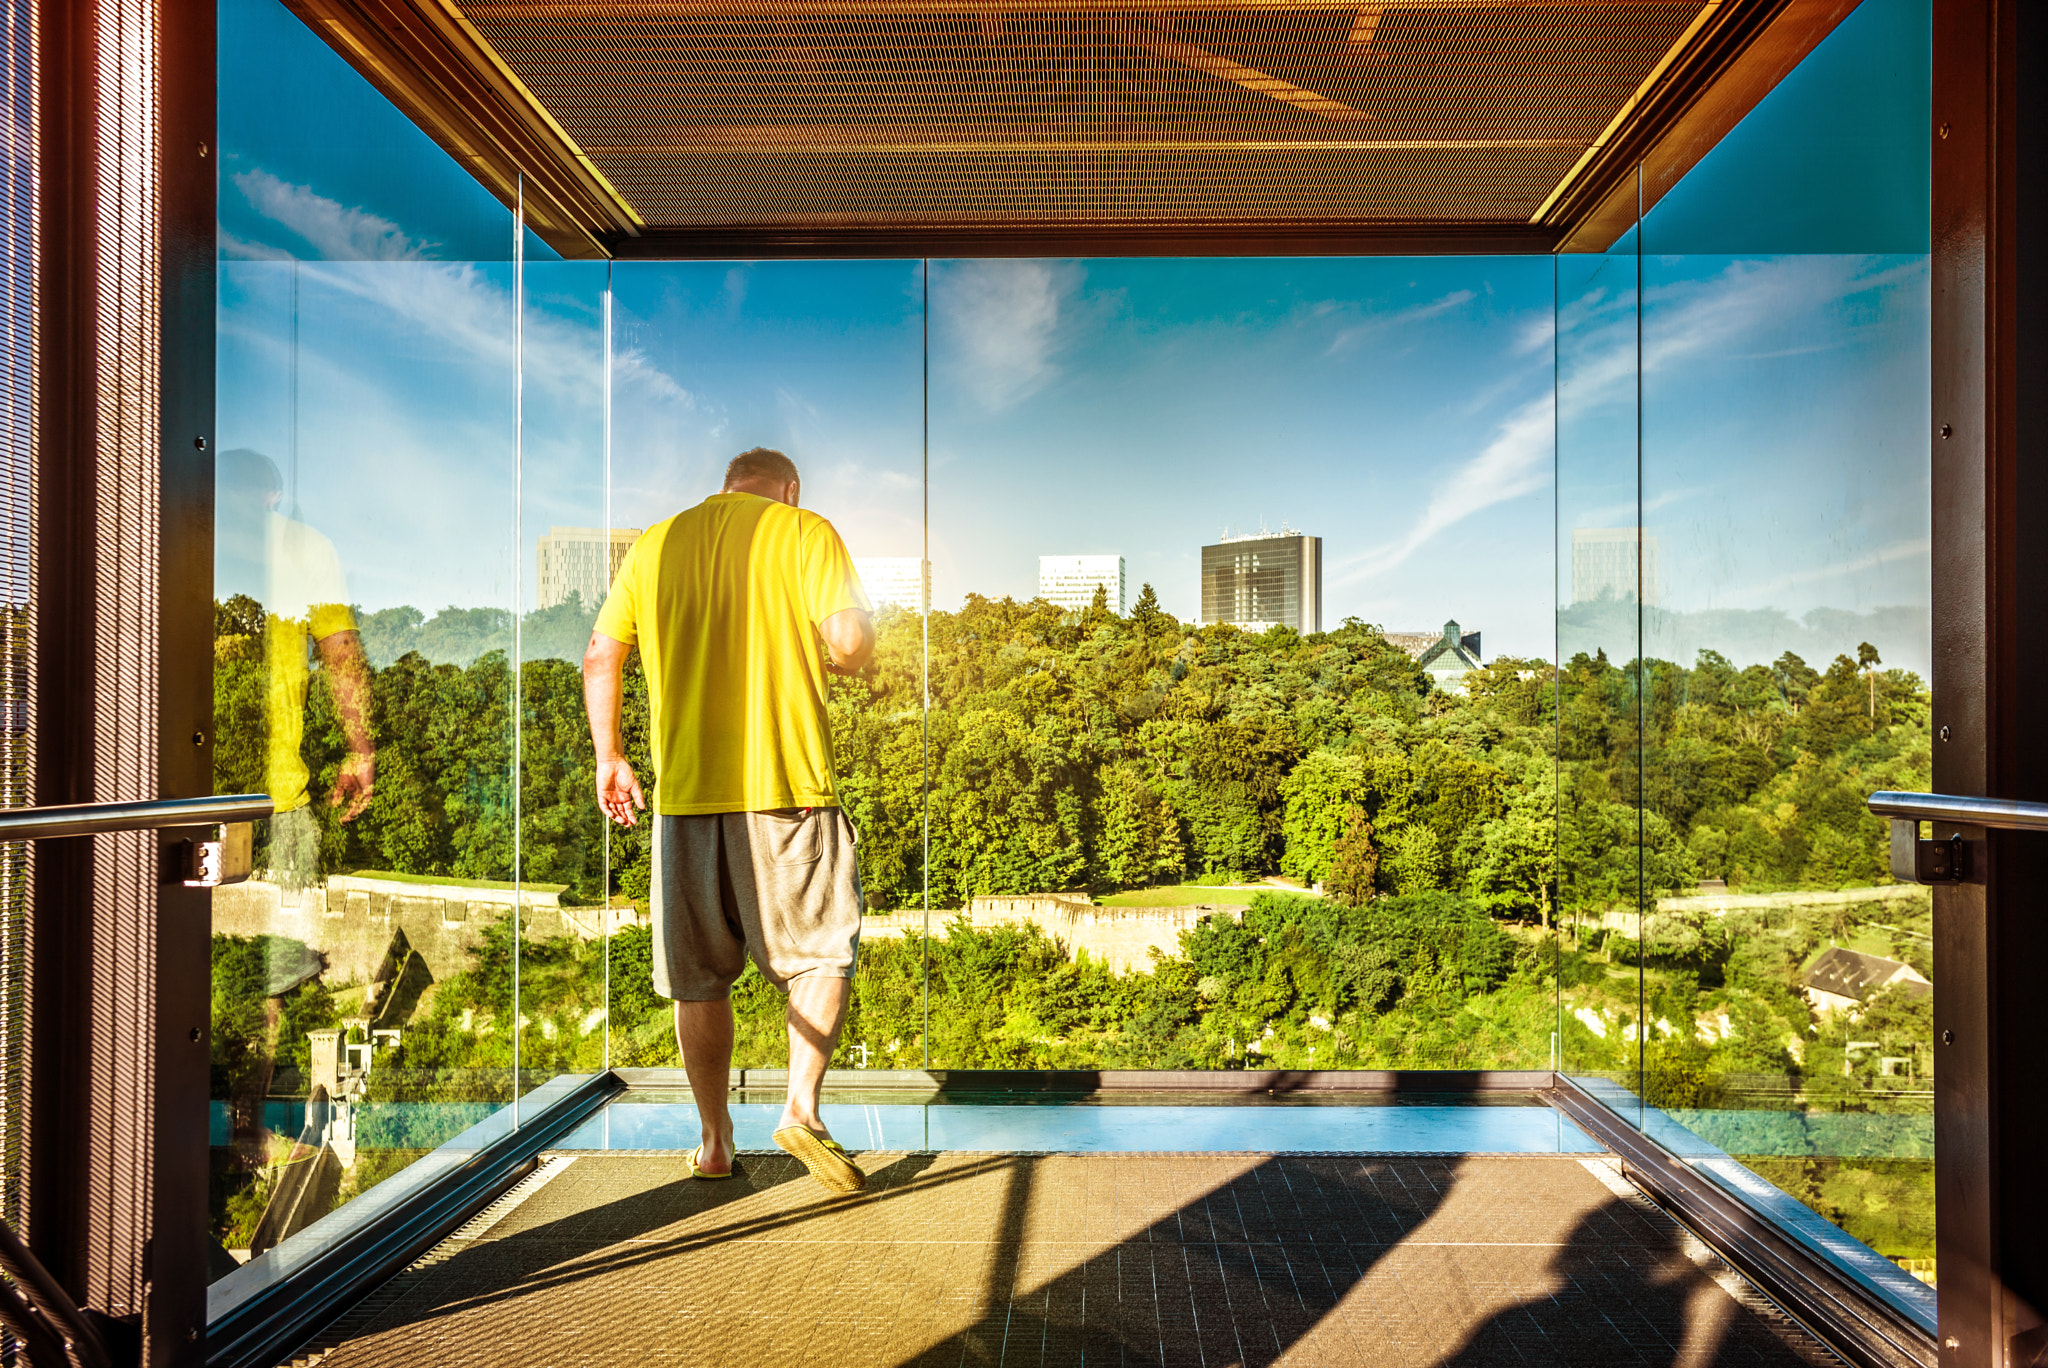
(740, 607)
(295, 574)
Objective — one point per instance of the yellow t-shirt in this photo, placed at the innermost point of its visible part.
(307, 600)
(724, 602)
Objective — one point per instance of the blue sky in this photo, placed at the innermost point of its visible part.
(1402, 409)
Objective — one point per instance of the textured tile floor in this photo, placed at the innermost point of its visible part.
(956, 1259)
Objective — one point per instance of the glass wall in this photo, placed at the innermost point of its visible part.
(367, 589)
(1217, 546)
(1420, 663)
(1603, 577)
(823, 361)
(1770, 671)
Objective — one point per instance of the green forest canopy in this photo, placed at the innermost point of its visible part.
(1091, 751)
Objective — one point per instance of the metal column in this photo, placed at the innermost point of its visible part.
(1990, 526)
(115, 1159)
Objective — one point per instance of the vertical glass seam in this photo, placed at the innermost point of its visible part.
(605, 886)
(1556, 678)
(1642, 679)
(925, 650)
(291, 455)
(518, 597)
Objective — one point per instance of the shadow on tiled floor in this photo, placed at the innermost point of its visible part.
(1209, 1259)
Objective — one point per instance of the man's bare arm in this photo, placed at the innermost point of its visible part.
(348, 675)
(604, 670)
(850, 636)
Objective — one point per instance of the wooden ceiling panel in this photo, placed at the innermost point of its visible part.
(882, 127)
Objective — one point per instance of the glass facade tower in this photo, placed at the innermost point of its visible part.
(1260, 581)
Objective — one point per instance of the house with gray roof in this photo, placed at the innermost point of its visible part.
(1843, 980)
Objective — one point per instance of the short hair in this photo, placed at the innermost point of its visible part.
(762, 463)
(241, 470)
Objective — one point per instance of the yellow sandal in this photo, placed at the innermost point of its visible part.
(690, 1163)
(828, 1163)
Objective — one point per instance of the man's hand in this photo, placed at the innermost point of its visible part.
(618, 788)
(618, 791)
(355, 785)
(348, 673)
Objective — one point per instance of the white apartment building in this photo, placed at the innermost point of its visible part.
(1070, 581)
(1604, 565)
(582, 561)
(894, 581)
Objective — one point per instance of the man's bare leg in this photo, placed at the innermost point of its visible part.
(817, 1009)
(704, 1037)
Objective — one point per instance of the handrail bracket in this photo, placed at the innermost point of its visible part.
(1914, 860)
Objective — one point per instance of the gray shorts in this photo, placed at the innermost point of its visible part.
(782, 886)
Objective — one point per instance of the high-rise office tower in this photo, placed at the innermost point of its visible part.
(1604, 565)
(894, 581)
(1071, 581)
(1260, 579)
(582, 561)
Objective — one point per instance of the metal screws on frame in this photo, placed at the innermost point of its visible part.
(1928, 862)
(226, 859)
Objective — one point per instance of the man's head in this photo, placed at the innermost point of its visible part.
(247, 479)
(765, 472)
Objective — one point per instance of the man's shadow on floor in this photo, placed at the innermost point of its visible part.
(1248, 1293)
(608, 1237)
(1238, 1275)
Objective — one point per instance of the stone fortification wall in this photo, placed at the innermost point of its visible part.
(1124, 937)
(350, 919)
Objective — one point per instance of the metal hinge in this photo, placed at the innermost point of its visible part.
(1929, 862)
(226, 859)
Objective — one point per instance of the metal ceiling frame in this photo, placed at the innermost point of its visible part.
(433, 64)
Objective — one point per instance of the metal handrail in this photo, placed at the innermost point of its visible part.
(42, 1315)
(34, 1308)
(2006, 814)
(93, 819)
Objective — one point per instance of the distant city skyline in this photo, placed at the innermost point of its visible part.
(1070, 582)
(581, 562)
(1604, 565)
(893, 581)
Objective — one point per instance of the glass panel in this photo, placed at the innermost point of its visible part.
(824, 362)
(1606, 571)
(1215, 781)
(362, 1004)
(1785, 393)
(570, 550)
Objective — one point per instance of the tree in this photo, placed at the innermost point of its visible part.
(1517, 864)
(1320, 794)
(1354, 861)
(1147, 616)
(1415, 860)
(1868, 660)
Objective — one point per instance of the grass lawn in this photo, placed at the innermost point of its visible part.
(1187, 895)
(451, 881)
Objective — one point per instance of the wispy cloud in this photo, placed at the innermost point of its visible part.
(1001, 322)
(1375, 325)
(465, 307)
(1624, 514)
(1913, 548)
(333, 230)
(1681, 324)
(1516, 462)
(241, 249)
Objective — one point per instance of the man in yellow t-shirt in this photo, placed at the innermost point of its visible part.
(292, 570)
(740, 607)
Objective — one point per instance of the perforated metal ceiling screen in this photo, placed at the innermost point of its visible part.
(897, 111)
